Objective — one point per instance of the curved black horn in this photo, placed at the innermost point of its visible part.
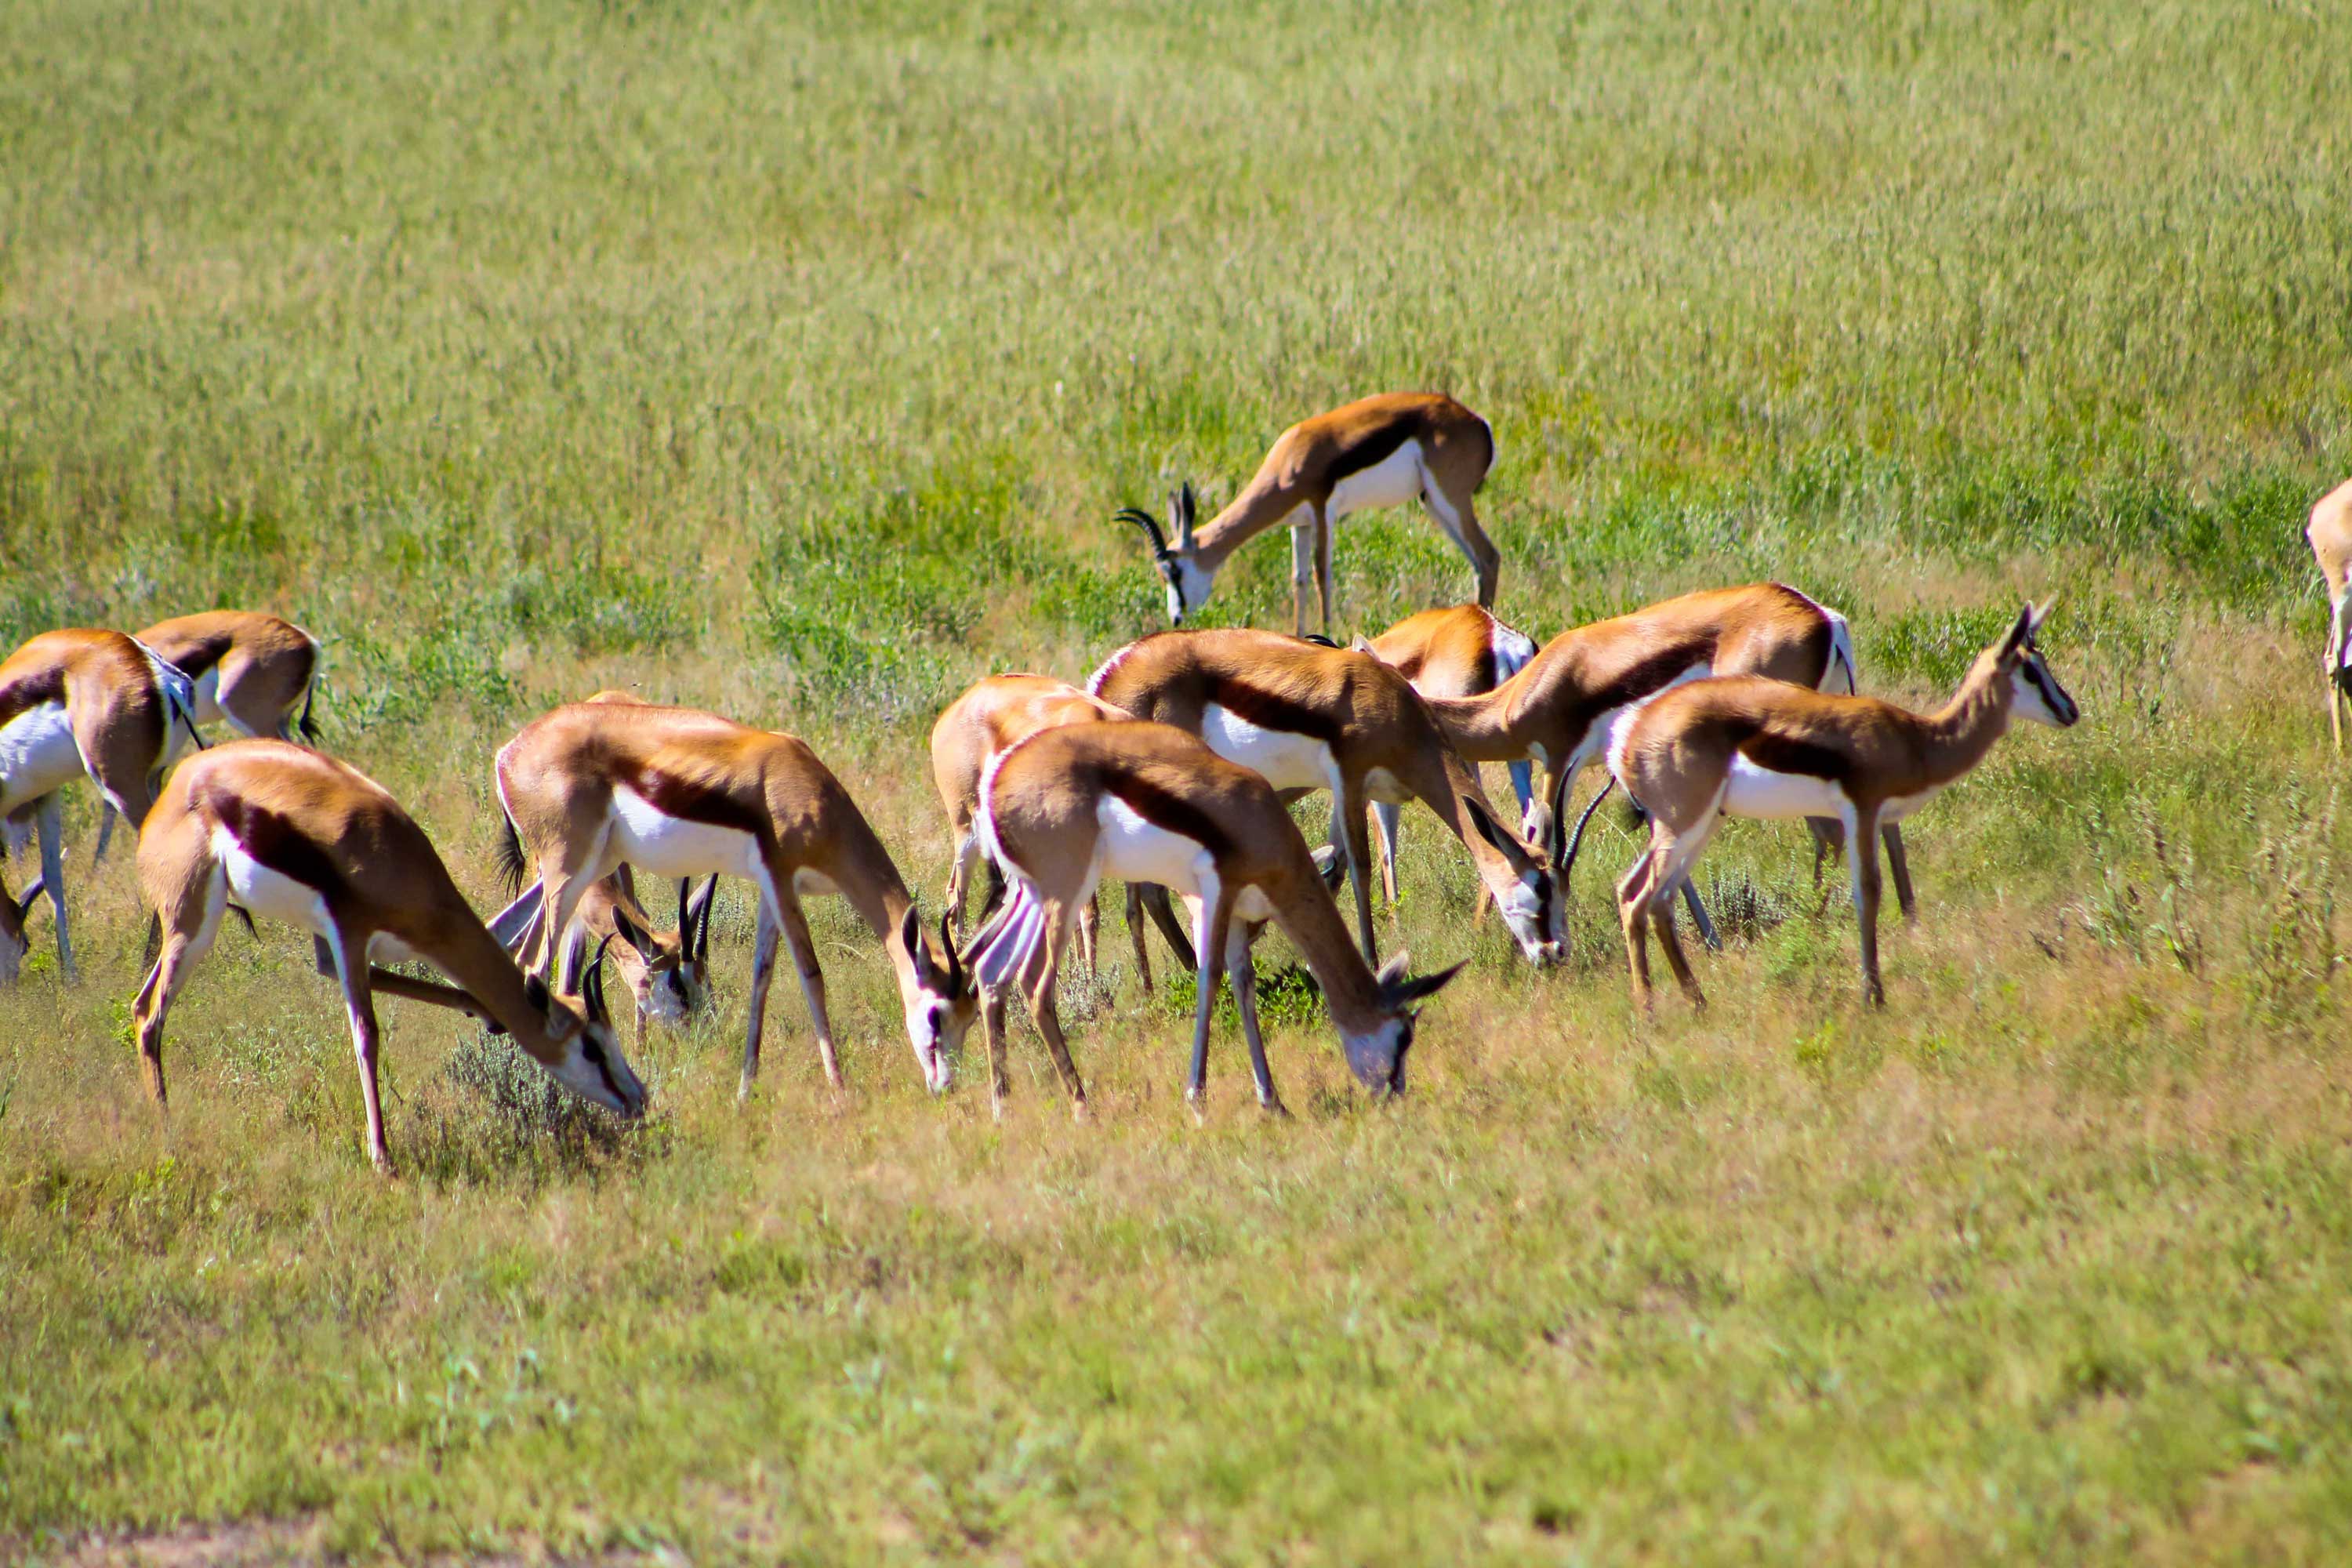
(592, 984)
(1568, 861)
(1146, 521)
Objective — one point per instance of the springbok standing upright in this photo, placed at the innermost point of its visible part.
(1747, 746)
(680, 792)
(2330, 534)
(1069, 806)
(250, 669)
(75, 703)
(1311, 717)
(286, 833)
(1454, 650)
(1379, 451)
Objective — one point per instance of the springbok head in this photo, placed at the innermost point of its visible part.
(1179, 564)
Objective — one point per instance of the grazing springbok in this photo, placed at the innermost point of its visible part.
(680, 792)
(250, 670)
(77, 703)
(1376, 452)
(1454, 650)
(667, 972)
(1748, 746)
(1069, 806)
(279, 831)
(999, 710)
(1311, 717)
(1558, 708)
(2330, 534)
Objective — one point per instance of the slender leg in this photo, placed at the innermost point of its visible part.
(1861, 853)
(1045, 973)
(47, 821)
(992, 1022)
(1302, 572)
(803, 946)
(2335, 668)
(1089, 918)
(1209, 940)
(967, 851)
(763, 969)
(1698, 916)
(1900, 865)
(1385, 819)
(193, 926)
(1523, 784)
(106, 824)
(1662, 915)
(351, 969)
(1164, 915)
(561, 890)
(1135, 935)
(1325, 526)
(1348, 819)
(1634, 916)
(1244, 976)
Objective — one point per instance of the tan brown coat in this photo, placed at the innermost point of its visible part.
(2329, 532)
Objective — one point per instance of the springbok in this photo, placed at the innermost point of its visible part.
(1312, 717)
(1379, 451)
(75, 703)
(1558, 708)
(1069, 806)
(250, 669)
(2329, 532)
(1749, 746)
(1454, 650)
(667, 972)
(680, 792)
(280, 831)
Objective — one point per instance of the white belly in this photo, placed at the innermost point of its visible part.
(1288, 761)
(1382, 785)
(265, 894)
(810, 884)
(37, 756)
(1392, 481)
(665, 846)
(1899, 807)
(1758, 792)
(1135, 850)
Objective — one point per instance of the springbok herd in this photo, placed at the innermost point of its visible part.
(1171, 770)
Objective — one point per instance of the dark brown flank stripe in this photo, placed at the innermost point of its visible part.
(1646, 679)
(192, 657)
(1376, 448)
(24, 695)
(1482, 668)
(1268, 711)
(1164, 808)
(692, 802)
(1784, 755)
(276, 844)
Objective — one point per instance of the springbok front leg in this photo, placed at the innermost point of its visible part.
(764, 969)
(795, 923)
(1323, 532)
(352, 972)
(1135, 935)
(1899, 864)
(1861, 855)
(1349, 831)
(1243, 974)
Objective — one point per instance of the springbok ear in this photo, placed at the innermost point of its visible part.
(1181, 510)
(2019, 633)
(1391, 973)
(1331, 866)
(697, 928)
(956, 983)
(1359, 642)
(1499, 839)
(911, 937)
(1427, 986)
(2037, 615)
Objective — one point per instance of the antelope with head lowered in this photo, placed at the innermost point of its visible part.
(275, 830)
(74, 704)
(1746, 747)
(667, 972)
(1557, 708)
(995, 713)
(1069, 806)
(1311, 717)
(680, 792)
(1456, 651)
(251, 670)
(2329, 533)
(1376, 452)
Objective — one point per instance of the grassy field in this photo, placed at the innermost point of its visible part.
(791, 360)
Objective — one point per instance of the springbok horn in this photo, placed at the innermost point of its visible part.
(1149, 524)
(1576, 842)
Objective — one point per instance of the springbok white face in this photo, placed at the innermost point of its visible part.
(670, 979)
(941, 1004)
(578, 1048)
(1532, 907)
(2035, 694)
(1377, 1059)
(1188, 582)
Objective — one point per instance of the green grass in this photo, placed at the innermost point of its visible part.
(791, 360)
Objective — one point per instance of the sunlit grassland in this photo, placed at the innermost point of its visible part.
(791, 362)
